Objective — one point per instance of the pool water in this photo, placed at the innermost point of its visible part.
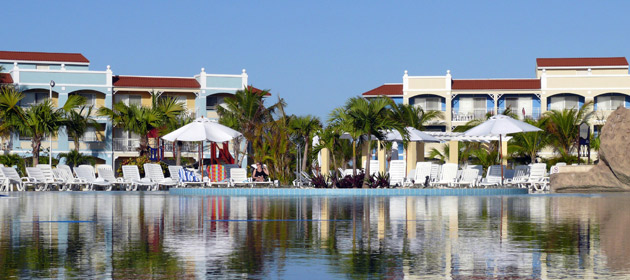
(157, 235)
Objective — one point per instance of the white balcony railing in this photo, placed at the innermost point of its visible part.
(533, 114)
(600, 116)
(126, 144)
(469, 115)
(187, 147)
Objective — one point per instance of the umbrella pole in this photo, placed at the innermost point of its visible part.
(201, 162)
(501, 157)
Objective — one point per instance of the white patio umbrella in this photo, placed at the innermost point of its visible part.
(202, 129)
(414, 136)
(500, 125)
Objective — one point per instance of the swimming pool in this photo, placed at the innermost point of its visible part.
(161, 235)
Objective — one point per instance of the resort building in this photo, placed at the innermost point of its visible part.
(34, 72)
(560, 83)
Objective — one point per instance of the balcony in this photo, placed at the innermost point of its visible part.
(126, 144)
(469, 115)
(187, 147)
(533, 114)
(600, 115)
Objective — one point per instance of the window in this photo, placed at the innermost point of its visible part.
(181, 99)
(90, 98)
(212, 102)
(610, 102)
(520, 105)
(129, 99)
(472, 104)
(428, 103)
(564, 102)
(33, 98)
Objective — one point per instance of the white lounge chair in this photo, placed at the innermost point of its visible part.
(493, 177)
(423, 173)
(65, 173)
(37, 178)
(397, 170)
(154, 172)
(374, 166)
(521, 174)
(131, 174)
(49, 174)
(106, 172)
(538, 180)
(86, 172)
(238, 177)
(14, 179)
(448, 174)
(174, 171)
(468, 178)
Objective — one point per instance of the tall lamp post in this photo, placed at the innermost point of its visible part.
(52, 84)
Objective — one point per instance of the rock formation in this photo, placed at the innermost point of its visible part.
(612, 173)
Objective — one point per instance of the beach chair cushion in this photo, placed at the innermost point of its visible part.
(187, 176)
(217, 173)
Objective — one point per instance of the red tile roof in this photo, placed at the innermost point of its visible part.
(496, 84)
(387, 89)
(5, 78)
(583, 61)
(256, 90)
(43, 56)
(154, 82)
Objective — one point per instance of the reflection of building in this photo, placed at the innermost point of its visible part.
(560, 83)
(32, 73)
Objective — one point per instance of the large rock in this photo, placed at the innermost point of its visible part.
(612, 173)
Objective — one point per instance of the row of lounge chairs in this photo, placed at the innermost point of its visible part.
(428, 174)
(83, 177)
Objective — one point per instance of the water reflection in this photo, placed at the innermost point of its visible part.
(153, 235)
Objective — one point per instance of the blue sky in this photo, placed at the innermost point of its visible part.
(317, 54)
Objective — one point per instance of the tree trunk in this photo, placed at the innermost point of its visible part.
(36, 144)
(305, 158)
(178, 153)
(366, 179)
(144, 143)
(354, 158)
(77, 144)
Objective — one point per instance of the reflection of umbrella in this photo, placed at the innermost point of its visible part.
(500, 125)
(202, 129)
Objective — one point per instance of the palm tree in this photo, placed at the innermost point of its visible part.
(329, 139)
(78, 122)
(442, 156)
(371, 117)
(245, 112)
(529, 143)
(75, 158)
(415, 116)
(304, 127)
(133, 118)
(36, 121)
(563, 127)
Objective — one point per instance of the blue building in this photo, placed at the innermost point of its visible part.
(32, 73)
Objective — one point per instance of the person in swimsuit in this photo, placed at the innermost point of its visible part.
(260, 173)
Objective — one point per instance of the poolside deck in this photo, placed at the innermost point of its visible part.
(344, 192)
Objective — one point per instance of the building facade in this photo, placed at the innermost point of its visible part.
(32, 73)
(560, 83)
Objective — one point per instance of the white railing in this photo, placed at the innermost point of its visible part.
(600, 116)
(534, 114)
(475, 114)
(187, 147)
(126, 145)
